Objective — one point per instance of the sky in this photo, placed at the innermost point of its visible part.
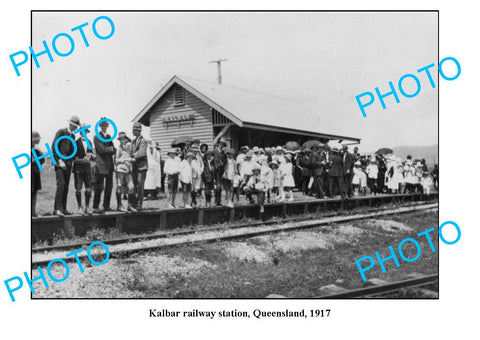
(322, 59)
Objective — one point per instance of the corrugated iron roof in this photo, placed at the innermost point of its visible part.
(250, 109)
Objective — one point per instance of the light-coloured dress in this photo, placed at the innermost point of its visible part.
(286, 170)
(153, 179)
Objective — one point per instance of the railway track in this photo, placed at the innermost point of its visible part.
(188, 231)
(383, 290)
(210, 235)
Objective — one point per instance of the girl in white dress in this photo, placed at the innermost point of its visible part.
(288, 183)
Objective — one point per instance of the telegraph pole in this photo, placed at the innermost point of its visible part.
(219, 68)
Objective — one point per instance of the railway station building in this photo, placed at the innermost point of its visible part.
(208, 111)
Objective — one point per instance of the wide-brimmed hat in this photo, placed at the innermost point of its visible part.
(358, 163)
(249, 154)
(123, 135)
(256, 167)
(74, 121)
(104, 122)
(222, 141)
(244, 148)
(137, 126)
(255, 149)
(279, 148)
(189, 154)
(35, 136)
(172, 151)
(273, 163)
(195, 148)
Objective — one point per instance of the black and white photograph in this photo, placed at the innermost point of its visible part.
(225, 155)
(238, 170)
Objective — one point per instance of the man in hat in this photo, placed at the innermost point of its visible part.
(305, 165)
(196, 174)
(82, 172)
(208, 175)
(103, 169)
(219, 161)
(348, 163)
(123, 169)
(335, 173)
(139, 165)
(36, 179)
(318, 167)
(63, 168)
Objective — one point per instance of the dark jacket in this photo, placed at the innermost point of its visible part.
(348, 162)
(35, 168)
(207, 174)
(139, 152)
(336, 166)
(305, 163)
(64, 146)
(104, 155)
(318, 163)
(219, 161)
(81, 165)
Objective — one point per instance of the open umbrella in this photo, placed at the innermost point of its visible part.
(292, 146)
(180, 141)
(308, 144)
(384, 151)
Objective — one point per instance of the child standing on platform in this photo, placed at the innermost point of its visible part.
(172, 170)
(286, 174)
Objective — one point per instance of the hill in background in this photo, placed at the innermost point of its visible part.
(430, 153)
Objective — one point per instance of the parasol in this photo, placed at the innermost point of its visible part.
(180, 141)
(384, 151)
(310, 143)
(292, 146)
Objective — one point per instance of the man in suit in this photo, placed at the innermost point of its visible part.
(82, 172)
(335, 173)
(348, 162)
(63, 167)
(318, 164)
(305, 165)
(103, 169)
(140, 164)
(219, 161)
(208, 177)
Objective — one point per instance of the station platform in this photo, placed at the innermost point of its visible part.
(46, 228)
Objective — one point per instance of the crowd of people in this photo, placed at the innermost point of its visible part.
(219, 176)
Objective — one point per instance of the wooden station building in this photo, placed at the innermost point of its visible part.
(208, 111)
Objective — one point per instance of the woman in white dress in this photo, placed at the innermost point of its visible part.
(153, 179)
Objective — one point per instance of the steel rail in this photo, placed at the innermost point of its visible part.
(382, 289)
(273, 229)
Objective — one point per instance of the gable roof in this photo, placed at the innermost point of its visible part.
(249, 109)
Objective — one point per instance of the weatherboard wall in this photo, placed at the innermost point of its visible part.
(201, 126)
